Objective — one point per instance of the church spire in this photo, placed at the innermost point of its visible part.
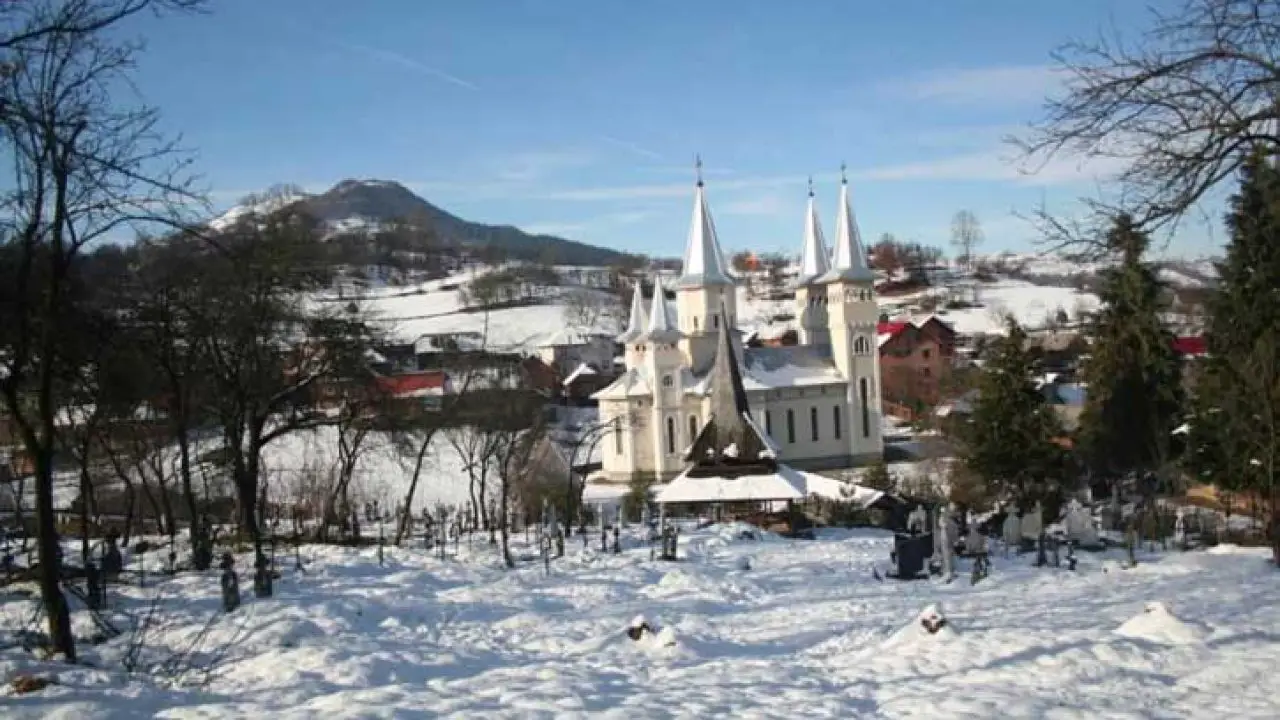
(703, 260)
(850, 261)
(814, 261)
(638, 320)
(662, 327)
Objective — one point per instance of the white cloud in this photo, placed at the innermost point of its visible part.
(1001, 84)
(632, 147)
(552, 228)
(395, 58)
(995, 165)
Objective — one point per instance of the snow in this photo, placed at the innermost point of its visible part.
(1158, 625)
(805, 631)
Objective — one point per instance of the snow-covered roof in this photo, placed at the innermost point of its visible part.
(850, 259)
(662, 325)
(583, 369)
(814, 260)
(703, 260)
(638, 318)
(787, 483)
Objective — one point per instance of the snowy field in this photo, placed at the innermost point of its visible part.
(806, 631)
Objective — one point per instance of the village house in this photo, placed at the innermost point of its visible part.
(915, 361)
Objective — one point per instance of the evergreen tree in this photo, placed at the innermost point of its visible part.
(1133, 375)
(1236, 430)
(1011, 440)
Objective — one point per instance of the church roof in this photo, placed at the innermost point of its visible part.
(638, 320)
(662, 325)
(703, 261)
(730, 443)
(814, 259)
(850, 258)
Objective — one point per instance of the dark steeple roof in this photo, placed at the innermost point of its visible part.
(730, 444)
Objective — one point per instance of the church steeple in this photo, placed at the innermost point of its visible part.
(662, 327)
(703, 261)
(850, 261)
(814, 261)
(638, 320)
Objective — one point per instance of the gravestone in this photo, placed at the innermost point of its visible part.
(1011, 531)
(1079, 522)
(946, 534)
(918, 520)
(909, 555)
(112, 560)
(261, 576)
(230, 584)
(1032, 527)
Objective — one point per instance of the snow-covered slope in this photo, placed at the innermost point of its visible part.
(804, 632)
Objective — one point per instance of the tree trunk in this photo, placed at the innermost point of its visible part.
(55, 603)
(195, 531)
(504, 512)
(406, 516)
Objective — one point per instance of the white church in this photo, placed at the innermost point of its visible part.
(818, 401)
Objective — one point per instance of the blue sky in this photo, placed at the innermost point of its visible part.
(582, 118)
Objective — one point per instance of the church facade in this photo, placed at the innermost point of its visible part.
(819, 401)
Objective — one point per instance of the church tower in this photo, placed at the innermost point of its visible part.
(705, 289)
(662, 361)
(811, 298)
(852, 314)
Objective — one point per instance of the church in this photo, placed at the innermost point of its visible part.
(818, 401)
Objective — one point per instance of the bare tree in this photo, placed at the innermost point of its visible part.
(966, 234)
(591, 311)
(82, 166)
(1175, 113)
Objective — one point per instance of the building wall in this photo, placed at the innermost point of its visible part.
(913, 366)
(645, 447)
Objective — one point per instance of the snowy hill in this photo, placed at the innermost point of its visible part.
(356, 206)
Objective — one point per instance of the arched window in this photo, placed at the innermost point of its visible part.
(715, 321)
(693, 428)
(863, 392)
(813, 423)
(862, 346)
(667, 381)
(617, 438)
(835, 421)
(671, 436)
(791, 425)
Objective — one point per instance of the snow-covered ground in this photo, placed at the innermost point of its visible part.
(804, 632)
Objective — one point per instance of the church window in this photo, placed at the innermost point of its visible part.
(768, 423)
(693, 428)
(667, 381)
(866, 411)
(813, 423)
(671, 436)
(695, 323)
(861, 346)
(835, 421)
(715, 321)
(791, 425)
(617, 439)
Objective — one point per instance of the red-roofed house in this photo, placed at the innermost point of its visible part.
(914, 359)
(427, 386)
(1190, 346)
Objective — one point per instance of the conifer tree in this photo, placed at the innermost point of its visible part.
(1236, 429)
(1133, 375)
(1011, 439)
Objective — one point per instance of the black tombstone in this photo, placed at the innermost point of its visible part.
(230, 584)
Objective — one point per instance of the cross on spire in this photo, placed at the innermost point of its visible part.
(810, 186)
(844, 179)
(697, 164)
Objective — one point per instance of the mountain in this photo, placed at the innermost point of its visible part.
(354, 206)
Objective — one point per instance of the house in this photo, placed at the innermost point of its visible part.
(583, 382)
(819, 400)
(424, 388)
(915, 360)
(1058, 351)
(566, 350)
